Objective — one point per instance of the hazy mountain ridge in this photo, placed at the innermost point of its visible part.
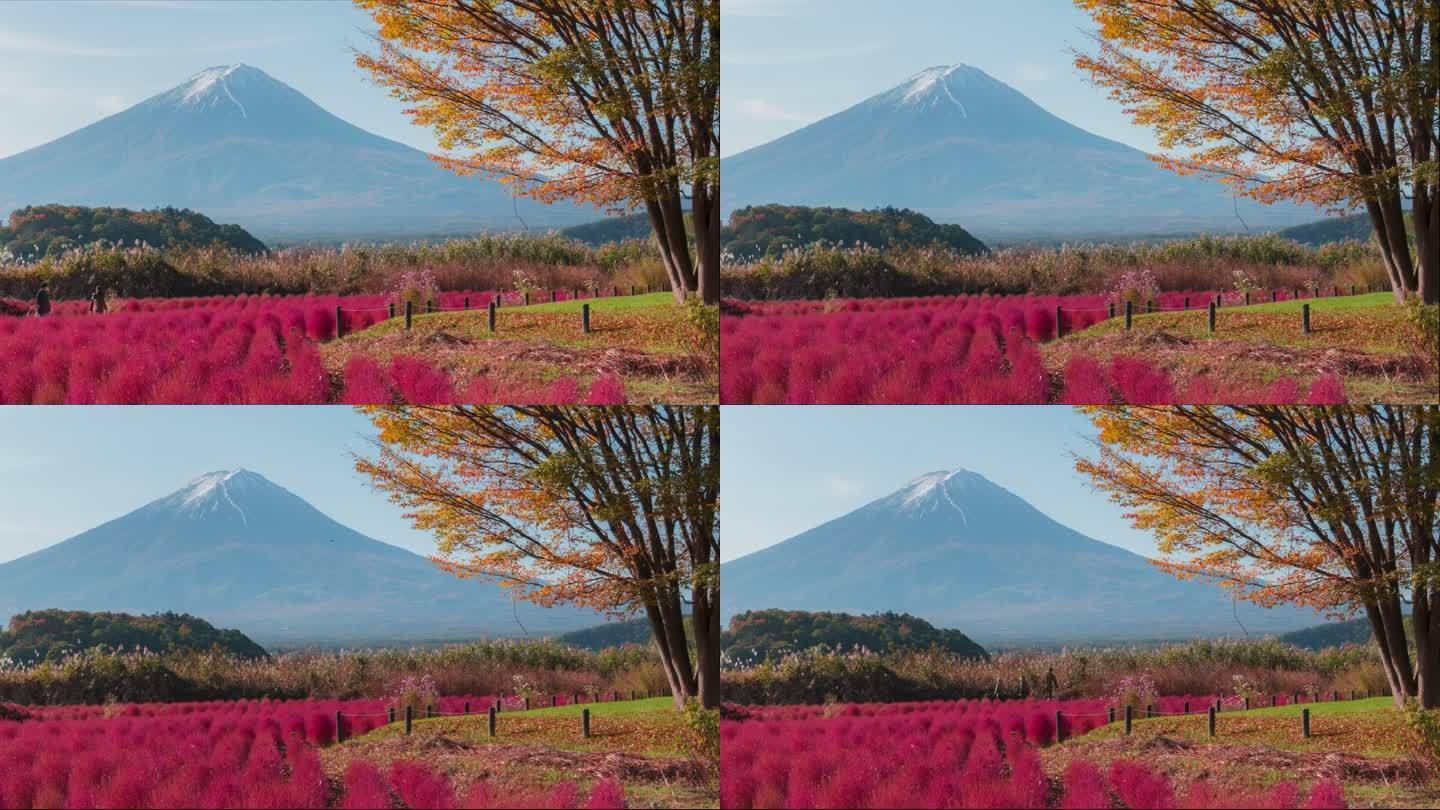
(959, 551)
(243, 147)
(962, 147)
(245, 553)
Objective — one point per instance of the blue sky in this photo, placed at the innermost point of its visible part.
(64, 65)
(64, 470)
(788, 63)
(787, 469)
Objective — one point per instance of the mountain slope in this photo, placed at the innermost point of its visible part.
(245, 553)
(959, 551)
(242, 147)
(961, 146)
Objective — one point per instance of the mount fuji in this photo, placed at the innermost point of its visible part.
(239, 146)
(240, 551)
(963, 147)
(960, 551)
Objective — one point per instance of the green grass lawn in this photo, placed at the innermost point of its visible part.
(641, 743)
(645, 340)
(1362, 743)
(1364, 340)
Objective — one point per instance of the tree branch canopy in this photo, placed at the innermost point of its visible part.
(1329, 507)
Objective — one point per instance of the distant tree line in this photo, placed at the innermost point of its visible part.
(52, 635)
(763, 634)
(772, 230)
(40, 231)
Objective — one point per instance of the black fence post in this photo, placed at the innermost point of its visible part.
(585, 318)
(390, 714)
(1186, 707)
(527, 704)
(1274, 296)
(1212, 316)
(492, 316)
(554, 701)
(1352, 694)
(1111, 314)
(575, 699)
(1187, 302)
(339, 728)
(1149, 306)
(1129, 314)
(466, 708)
(527, 298)
(1305, 316)
(1274, 701)
(1247, 703)
(1059, 727)
(1305, 723)
(632, 289)
(1352, 289)
(467, 302)
(492, 721)
(632, 694)
(1129, 718)
(429, 305)
(1247, 298)
(391, 313)
(585, 722)
(1212, 721)
(554, 296)
(1110, 715)
(409, 718)
(429, 711)
(1059, 323)
(1149, 710)
(1295, 699)
(339, 323)
(409, 313)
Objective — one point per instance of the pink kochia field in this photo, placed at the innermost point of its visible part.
(231, 754)
(969, 349)
(969, 753)
(234, 350)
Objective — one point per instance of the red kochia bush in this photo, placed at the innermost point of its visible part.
(224, 754)
(977, 349)
(967, 753)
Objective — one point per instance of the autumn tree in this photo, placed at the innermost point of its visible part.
(613, 508)
(1332, 102)
(1329, 507)
(610, 102)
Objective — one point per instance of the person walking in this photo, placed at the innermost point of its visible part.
(42, 300)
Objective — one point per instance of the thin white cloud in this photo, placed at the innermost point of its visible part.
(756, 8)
(766, 111)
(164, 4)
(21, 42)
(19, 88)
(796, 56)
(1032, 73)
(109, 105)
(842, 487)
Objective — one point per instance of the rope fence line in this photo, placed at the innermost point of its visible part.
(1212, 710)
(495, 707)
(495, 302)
(1212, 303)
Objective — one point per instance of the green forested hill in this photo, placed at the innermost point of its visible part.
(49, 230)
(1355, 631)
(770, 230)
(613, 229)
(765, 633)
(614, 634)
(38, 635)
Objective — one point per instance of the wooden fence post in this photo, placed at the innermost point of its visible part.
(1247, 703)
(1059, 324)
(1274, 296)
(1305, 317)
(466, 708)
(585, 318)
(429, 711)
(409, 312)
(1187, 303)
(1149, 710)
(527, 298)
(390, 714)
(339, 324)
(1111, 314)
(1129, 718)
(339, 728)
(392, 310)
(1212, 317)
(492, 721)
(554, 701)
(1110, 715)
(429, 306)
(554, 296)
(1059, 727)
(492, 316)
(409, 718)
(585, 722)
(1129, 314)
(1247, 298)
(1186, 708)
(527, 704)
(1305, 723)
(467, 303)
(1149, 306)
(1212, 721)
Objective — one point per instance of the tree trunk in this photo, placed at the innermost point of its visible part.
(1391, 638)
(1387, 216)
(667, 661)
(1427, 651)
(707, 243)
(706, 621)
(679, 648)
(1427, 246)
